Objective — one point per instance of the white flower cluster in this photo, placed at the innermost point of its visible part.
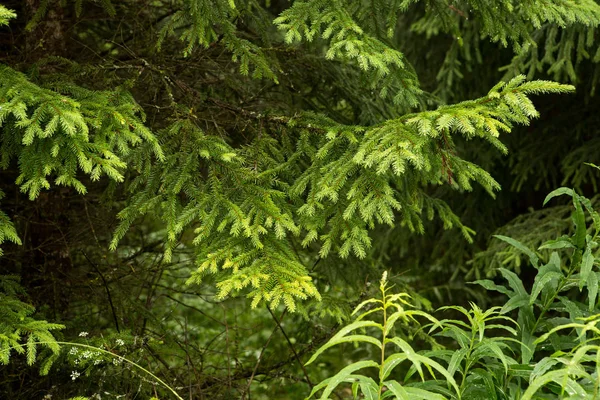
(75, 375)
(83, 334)
(120, 342)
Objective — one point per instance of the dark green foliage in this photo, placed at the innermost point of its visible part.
(209, 188)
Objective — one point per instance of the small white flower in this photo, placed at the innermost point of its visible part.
(83, 334)
(87, 354)
(116, 361)
(73, 351)
(75, 375)
(97, 361)
(120, 342)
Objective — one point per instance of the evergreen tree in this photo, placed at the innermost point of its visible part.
(286, 153)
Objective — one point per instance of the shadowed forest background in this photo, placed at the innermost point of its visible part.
(196, 194)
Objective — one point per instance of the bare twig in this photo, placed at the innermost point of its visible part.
(293, 349)
(247, 391)
(112, 306)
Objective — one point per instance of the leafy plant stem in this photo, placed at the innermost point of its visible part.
(465, 373)
(550, 301)
(381, 365)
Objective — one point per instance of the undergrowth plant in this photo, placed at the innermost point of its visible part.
(549, 351)
(393, 308)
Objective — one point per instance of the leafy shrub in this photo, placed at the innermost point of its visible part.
(549, 351)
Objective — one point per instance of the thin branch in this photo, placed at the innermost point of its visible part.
(112, 306)
(292, 347)
(247, 391)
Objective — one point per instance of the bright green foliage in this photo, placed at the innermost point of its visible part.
(394, 309)
(289, 152)
(550, 351)
(56, 132)
(7, 229)
(248, 207)
(20, 332)
(349, 42)
(5, 15)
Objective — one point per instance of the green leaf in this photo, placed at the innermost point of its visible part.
(418, 359)
(542, 366)
(456, 360)
(515, 302)
(489, 347)
(544, 276)
(590, 209)
(537, 383)
(410, 393)
(513, 281)
(561, 243)
(369, 388)
(421, 394)
(344, 375)
(31, 349)
(490, 285)
(533, 258)
(520, 371)
(527, 322)
(587, 262)
(488, 381)
(344, 339)
(397, 390)
(558, 192)
(579, 222)
(364, 303)
(341, 338)
(390, 363)
(592, 286)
